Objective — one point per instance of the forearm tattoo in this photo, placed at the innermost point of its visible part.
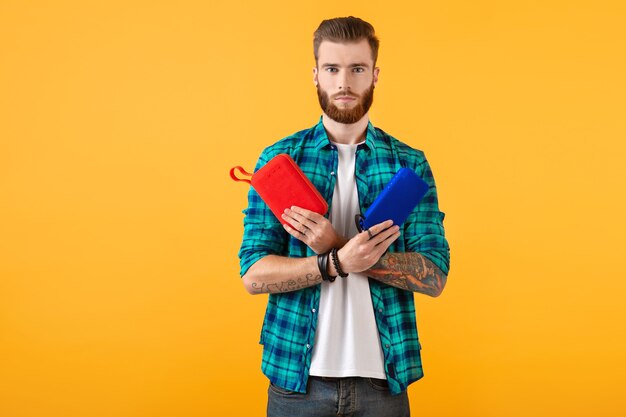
(287, 286)
(409, 271)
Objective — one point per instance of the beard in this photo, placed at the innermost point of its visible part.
(346, 116)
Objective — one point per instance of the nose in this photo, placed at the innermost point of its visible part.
(343, 82)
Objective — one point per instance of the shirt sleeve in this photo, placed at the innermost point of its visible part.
(423, 229)
(263, 234)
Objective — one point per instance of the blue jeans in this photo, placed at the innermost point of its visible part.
(332, 397)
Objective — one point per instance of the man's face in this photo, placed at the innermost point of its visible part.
(345, 79)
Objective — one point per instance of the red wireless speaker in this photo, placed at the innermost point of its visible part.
(282, 184)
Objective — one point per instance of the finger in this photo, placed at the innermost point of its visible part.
(311, 215)
(294, 232)
(377, 228)
(300, 218)
(295, 223)
(386, 234)
(384, 245)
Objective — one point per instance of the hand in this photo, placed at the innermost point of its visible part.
(312, 228)
(362, 252)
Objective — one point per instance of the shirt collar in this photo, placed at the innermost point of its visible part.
(321, 137)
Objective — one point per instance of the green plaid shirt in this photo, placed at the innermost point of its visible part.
(288, 331)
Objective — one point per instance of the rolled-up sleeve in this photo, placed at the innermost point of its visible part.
(263, 234)
(423, 230)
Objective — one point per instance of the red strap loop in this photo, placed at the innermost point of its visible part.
(243, 171)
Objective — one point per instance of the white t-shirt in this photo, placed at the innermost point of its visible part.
(346, 340)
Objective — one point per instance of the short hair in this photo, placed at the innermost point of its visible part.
(345, 29)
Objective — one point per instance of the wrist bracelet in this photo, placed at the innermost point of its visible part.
(333, 253)
(322, 264)
(329, 277)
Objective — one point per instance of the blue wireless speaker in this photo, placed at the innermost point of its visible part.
(397, 200)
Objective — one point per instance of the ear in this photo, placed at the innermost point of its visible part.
(376, 71)
(315, 76)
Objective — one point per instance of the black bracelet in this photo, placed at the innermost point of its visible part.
(333, 253)
(329, 277)
(322, 264)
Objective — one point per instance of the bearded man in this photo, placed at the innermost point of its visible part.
(346, 346)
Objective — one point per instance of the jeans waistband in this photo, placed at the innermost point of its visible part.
(337, 379)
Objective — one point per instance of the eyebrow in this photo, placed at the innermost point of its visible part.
(358, 64)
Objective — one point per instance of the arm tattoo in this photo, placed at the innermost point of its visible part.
(409, 271)
(287, 286)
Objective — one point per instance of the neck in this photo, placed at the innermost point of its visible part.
(343, 133)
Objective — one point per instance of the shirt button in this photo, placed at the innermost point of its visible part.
(332, 173)
(308, 346)
(387, 346)
(313, 311)
(380, 310)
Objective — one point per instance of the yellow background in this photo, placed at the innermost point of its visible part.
(119, 226)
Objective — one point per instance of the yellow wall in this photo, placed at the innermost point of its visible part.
(119, 225)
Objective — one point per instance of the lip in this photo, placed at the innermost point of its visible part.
(345, 98)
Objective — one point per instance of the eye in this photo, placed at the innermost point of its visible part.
(331, 69)
(359, 69)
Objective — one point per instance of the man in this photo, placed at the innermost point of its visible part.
(345, 346)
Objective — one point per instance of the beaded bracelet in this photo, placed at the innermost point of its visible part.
(333, 253)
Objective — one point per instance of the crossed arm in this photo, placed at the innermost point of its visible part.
(409, 271)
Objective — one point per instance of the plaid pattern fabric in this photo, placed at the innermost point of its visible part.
(288, 331)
